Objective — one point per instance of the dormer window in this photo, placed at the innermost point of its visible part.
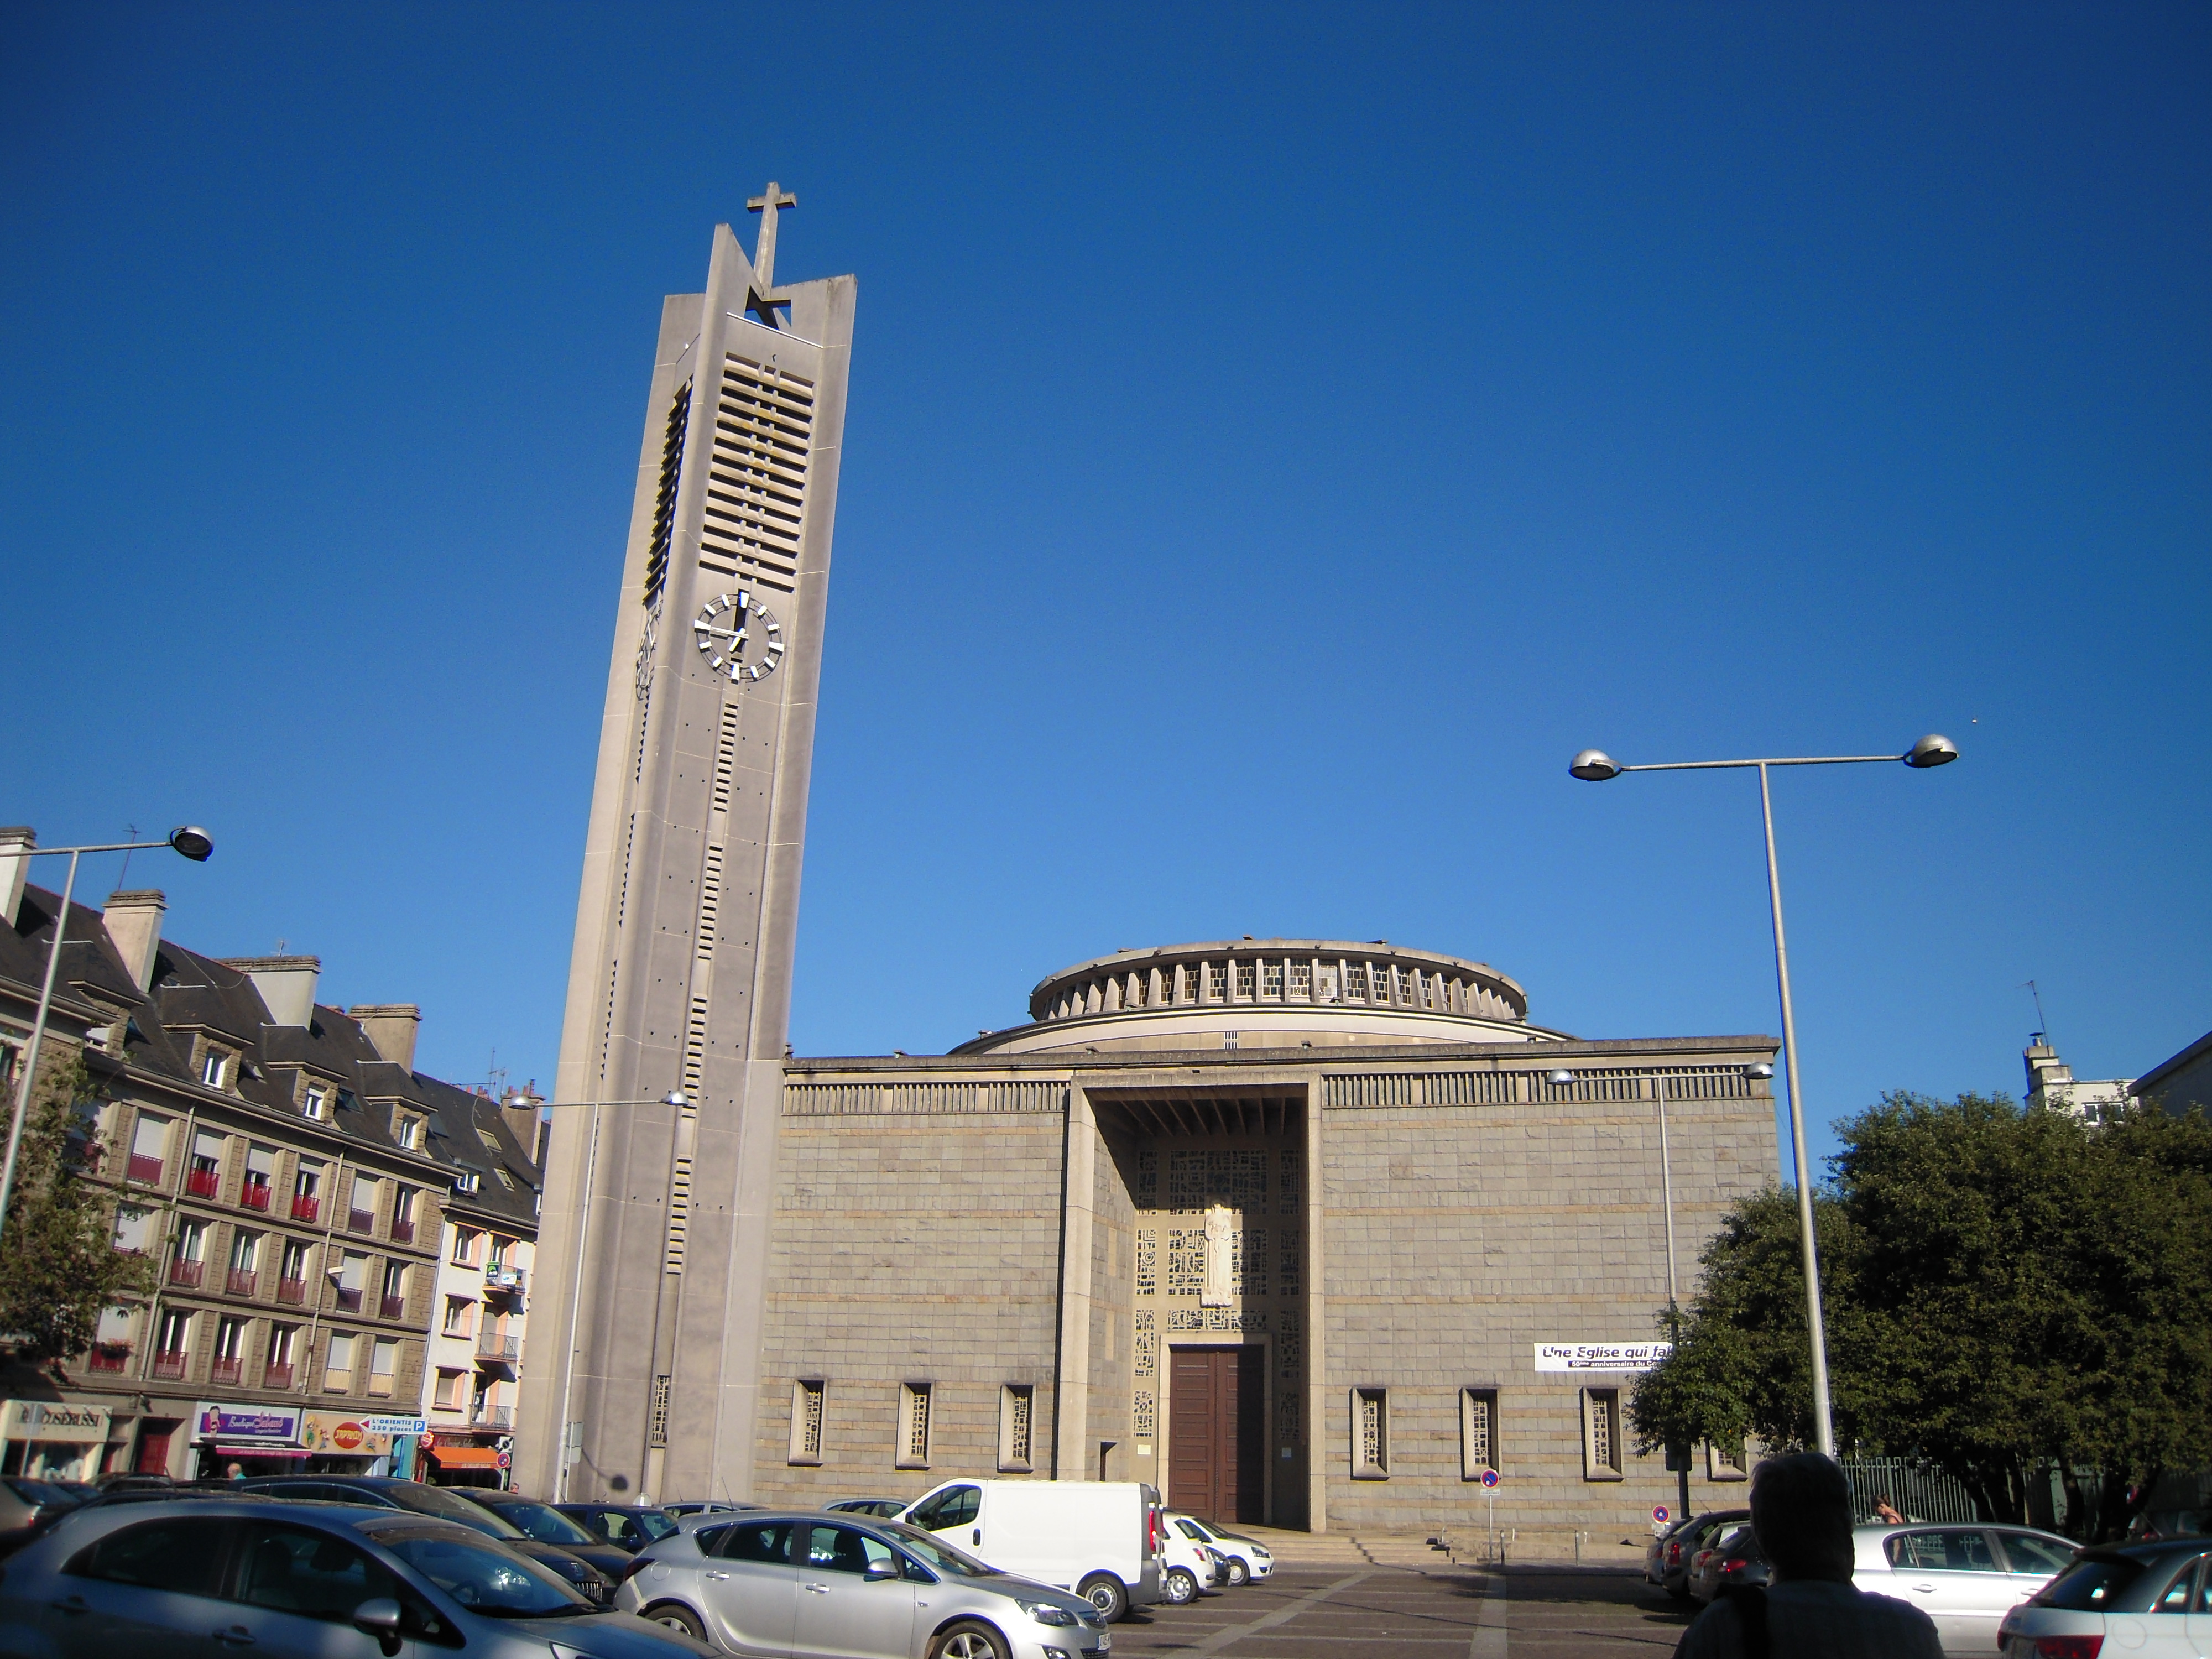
(317, 1102)
(466, 1180)
(410, 1133)
(214, 1066)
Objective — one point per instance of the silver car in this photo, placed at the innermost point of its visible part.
(195, 1578)
(1964, 1575)
(779, 1584)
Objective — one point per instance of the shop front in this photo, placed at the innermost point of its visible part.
(234, 1441)
(338, 1443)
(49, 1440)
(453, 1463)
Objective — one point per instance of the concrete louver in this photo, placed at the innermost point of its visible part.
(133, 919)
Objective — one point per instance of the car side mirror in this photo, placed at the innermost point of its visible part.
(881, 1569)
(378, 1616)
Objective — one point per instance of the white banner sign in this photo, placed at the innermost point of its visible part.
(50, 1420)
(1601, 1356)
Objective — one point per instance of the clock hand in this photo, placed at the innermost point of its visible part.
(722, 633)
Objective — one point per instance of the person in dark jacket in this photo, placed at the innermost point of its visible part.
(1801, 1510)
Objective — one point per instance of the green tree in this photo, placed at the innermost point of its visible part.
(58, 1267)
(2006, 1291)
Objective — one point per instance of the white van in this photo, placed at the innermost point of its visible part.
(1098, 1538)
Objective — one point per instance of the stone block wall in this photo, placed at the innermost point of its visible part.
(1457, 1237)
(909, 1247)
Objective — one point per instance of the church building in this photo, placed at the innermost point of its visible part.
(1306, 1233)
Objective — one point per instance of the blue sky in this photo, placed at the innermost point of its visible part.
(1277, 443)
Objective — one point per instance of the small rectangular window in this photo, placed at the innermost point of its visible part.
(1244, 981)
(1600, 1434)
(316, 1103)
(383, 1365)
(448, 1396)
(806, 1420)
(1723, 1463)
(1017, 1415)
(1271, 980)
(1217, 982)
(913, 1425)
(1370, 1434)
(212, 1064)
(1478, 1432)
(1301, 980)
(337, 1364)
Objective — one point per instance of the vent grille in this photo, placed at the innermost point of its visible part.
(664, 502)
(694, 1046)
(679, 1217)
(710, 904)
(725, 755)
(657, 1426)
(756, 476)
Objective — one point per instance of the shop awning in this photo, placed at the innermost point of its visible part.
(259, 1451)
(465, 1457)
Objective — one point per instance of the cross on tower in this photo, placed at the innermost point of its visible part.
(765, 296)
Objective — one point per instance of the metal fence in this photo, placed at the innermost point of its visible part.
(1918, 1490)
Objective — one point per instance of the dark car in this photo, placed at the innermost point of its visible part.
(1675, 1552)
(387, 1492)
(547, 1525)
(883, 1509)
(626, 1526)
(223, 1573)
(1735, 1563)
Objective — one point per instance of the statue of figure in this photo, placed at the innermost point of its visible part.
(1220, 1247)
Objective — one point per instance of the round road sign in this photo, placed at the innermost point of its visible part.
(1659, 1512)
(1490, 1477)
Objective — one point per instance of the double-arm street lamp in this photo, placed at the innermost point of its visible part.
(675, 1098)
(189, 840)
(1595, 766)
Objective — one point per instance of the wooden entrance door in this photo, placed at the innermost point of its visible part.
(1216, 1455)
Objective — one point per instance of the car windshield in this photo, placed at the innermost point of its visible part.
(435, 1500)
(38, 1492)
(483, 1577)
(547, 1526)
(936, 1552)
(2090, 1586)
(657, 1526)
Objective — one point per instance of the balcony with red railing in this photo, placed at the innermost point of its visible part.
(306, 1206)
(294, 1290)
(145, 1169)
(187, 1273)
(349, 1301)
(203, 1183)
(109, 1356)
(278, 1376)
(361, 1221)
(403, 1232)
(225, 1370)
(170, 1367)
(393, 1307)
(242, 1281)
(253, 1193)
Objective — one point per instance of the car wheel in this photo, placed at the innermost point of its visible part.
(675, 1618)
(1178, 1587)
(969, 1640)
(1106, 1593)
(1238, 1572)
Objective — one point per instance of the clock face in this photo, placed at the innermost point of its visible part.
(739, 637)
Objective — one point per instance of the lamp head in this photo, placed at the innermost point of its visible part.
(1594, 766)
(1762, 1070)
(676, 1098)
(194, 842)
(1932, 750)
(1558, 1079)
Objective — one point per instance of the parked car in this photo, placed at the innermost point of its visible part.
(1737, 1564)
(883, 1509)
(1248, 1558)
(1667, 1562)
(781, 1583)
(1704, 1565)
(2143, 1601)
(447, 1505)
(26, 1505)
(701, 1508)
(628, 1527)
(295, 1581)
(1189, 1567)
(1100, 1539)
(1964, 1576)
(547, 1525)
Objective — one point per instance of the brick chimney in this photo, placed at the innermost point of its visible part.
(134, 926)
(390, 1026)
(17, 842)
(287, 985)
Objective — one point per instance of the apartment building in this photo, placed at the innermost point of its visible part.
(281, 1163)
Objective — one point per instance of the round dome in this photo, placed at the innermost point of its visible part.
(1268, 993)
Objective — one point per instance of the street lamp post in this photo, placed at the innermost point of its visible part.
(1595, 766)
(675, 1098)
(189, 840)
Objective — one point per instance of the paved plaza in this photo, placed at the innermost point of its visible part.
(1372, 1598)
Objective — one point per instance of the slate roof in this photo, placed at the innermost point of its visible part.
(191, 992)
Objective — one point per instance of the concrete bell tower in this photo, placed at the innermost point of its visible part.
(642, 1374)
